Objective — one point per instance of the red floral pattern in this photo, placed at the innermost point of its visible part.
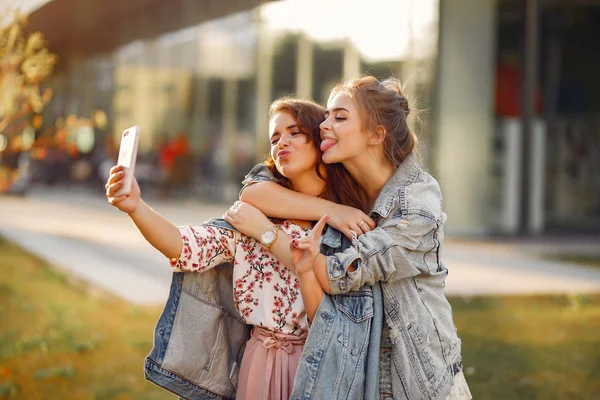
(265, 292)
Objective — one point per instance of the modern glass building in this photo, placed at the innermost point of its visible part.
(208, 70)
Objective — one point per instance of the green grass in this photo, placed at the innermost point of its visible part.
(545, 347)
(591, 261)
(59, 340)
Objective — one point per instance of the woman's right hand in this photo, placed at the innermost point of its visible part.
(127, 203)
(349, 219)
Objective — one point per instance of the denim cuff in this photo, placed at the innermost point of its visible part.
(340, 279)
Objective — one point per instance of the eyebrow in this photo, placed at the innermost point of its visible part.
(327, 113)
(287, 128)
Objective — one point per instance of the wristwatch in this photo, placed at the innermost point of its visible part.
(269, 236)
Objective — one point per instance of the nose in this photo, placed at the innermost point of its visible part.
(284, 141)
(325, 125)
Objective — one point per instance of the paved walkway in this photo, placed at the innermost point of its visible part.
(81, 233)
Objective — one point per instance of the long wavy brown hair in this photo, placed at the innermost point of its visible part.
(340, 187)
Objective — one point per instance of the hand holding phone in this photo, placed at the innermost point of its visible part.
(127, 157)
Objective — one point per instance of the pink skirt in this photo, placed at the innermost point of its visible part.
(269, 365)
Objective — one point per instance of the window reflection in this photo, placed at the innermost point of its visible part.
(284, 66)
(212, 82)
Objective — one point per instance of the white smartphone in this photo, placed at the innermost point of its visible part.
(127, 156)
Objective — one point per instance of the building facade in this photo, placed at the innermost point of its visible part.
(208, 70)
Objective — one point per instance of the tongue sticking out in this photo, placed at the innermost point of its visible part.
(327, 143)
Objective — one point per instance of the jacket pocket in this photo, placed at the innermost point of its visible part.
(356, 314)
(358, 306)
(420, 351)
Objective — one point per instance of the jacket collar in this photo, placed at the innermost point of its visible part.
(389, 195)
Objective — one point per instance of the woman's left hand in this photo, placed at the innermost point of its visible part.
(247, 219)
(306, 250)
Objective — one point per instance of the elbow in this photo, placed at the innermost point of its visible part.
(250, 193)
(244, 195)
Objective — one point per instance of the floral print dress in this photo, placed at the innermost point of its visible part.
(266, 293)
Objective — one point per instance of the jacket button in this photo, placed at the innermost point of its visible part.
(162, 332)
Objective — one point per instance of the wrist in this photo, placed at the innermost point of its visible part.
(310, 274)
(268, 231)
(137, 210)
(331, 208)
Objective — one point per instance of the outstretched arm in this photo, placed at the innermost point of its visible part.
(158, 231)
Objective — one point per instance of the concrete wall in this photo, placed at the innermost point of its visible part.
(464, 112)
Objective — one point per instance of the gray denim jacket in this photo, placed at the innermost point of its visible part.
(402, 256)
(199, 338)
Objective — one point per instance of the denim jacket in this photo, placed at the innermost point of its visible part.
(402, 257)
(199, 338)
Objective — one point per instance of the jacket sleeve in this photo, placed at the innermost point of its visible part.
(204, 247)
(260, 173)
(400, 248)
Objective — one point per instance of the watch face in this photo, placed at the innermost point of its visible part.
(268, 237)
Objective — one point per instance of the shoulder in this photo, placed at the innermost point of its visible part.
(421, 196)
(259, 173)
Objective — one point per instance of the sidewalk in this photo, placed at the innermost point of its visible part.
(81, 233)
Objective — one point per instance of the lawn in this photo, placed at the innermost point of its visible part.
(60, 339)
(531, 347)
(591, 261)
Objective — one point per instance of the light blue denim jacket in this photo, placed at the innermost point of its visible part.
(402, 257)
(199, 338)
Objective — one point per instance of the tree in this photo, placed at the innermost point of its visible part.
(25, 63)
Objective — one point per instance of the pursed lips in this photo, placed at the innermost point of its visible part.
(283, 153)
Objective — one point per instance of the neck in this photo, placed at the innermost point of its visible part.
(308, 183)
(371, 173)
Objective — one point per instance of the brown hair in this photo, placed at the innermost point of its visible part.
(381, 103)
(340, 187)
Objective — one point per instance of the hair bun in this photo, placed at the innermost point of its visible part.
(404, 104)
(394, 85)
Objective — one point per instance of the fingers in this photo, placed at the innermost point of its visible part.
(369, 222)
(361, 228)
(306, 244)
(115, 169)
(349, 233)
(116, 200)
(112, 189)
(318, 228)
(236, 206)
(114, 178)
(233, 210)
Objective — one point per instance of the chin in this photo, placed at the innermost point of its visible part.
(330, 158)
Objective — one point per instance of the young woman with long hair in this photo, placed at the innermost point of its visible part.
(277, 302)
(366, 130)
